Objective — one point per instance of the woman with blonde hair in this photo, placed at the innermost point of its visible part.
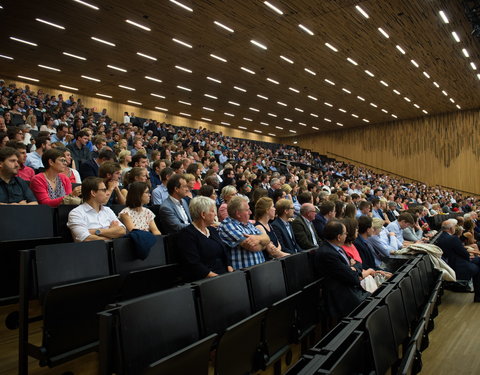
(264, 213)
(190, 178)
(228, 192)
(125, 158)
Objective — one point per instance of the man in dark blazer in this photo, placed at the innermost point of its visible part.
(327, 212)
(90, 167)
(303, 229)
(341, 286)
(174, 212)
(457, 257)
(282, 227)
(365, 250)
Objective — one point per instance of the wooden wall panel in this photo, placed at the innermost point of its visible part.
(115, 111)
(439, 150)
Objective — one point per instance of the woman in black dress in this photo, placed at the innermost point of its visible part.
(265, 213)
(202, 252)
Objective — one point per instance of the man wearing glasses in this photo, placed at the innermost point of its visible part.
(91, 220)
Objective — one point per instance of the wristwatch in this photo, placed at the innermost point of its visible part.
(98, 232)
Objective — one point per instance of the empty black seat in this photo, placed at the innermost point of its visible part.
(400, 326)
(61, 222)
(26, 223)
(408, 298)
(298, 271)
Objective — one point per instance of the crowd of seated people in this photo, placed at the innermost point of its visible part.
(235, 202)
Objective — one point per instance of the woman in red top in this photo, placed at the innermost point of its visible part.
(352, 232)
(51, 186)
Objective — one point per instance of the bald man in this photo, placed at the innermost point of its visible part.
(303, 228)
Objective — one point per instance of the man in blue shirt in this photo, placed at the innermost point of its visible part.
(34, 159)
(405, 220)
(160, 193)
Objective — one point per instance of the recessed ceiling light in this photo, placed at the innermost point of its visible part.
(69, 87)
(29, 78)
(273, 7)
(294, 90)
(416, 105)
(383, 32)
(436, 84)
(185, 114)
(310, 71)
(327, 119)
(374, 105)
(50, 23)
(91, 78)
(478, 76)
(396, 92)
(117, 68)
(342, 110)
(157, 95)
(183, 102)
(292, 131)
(214, 80)
(282, 103)
(474, 67)
(365, 120)
(286, 59)
(465, 52)
(400, 49)
(313, 115)
(306, 29)
(218, 57)
(407, 99)
(273, 81)
(369, 73)
(351, 61)
(312, 97)
(384, 83)
(206, 119)
(247, 119)
(288, 119)
(347, 91)
(426, 74)
(229, 114)
(279, 127)
(329, 82)
(254, 109)
(444, 16)
(138, 25)
(127, 87)
(458, 106)
(302, 123)
(74, 56)
(104, 95)
(147, 56)
(134, 102)
(181, 5)
(262, 97)
(239, 88)
(103, 41)
(298, 109)
(271, 114)
(339, 124)
(444, 93)
(424, 111)
(153, 79)
(331, 47)
(210, 96)
(208, 109)
(362, 11)
(183, 88)
(414, 63)
(242, 127)
(273, 135)
(225, 123)
(451, 99)
(394, 116)
(49, 67)
(361, 98)
(86, 4)
(354, 115)
(229, 29)
(247, 70)
(328, 104)
(456, 37)
(384, 110)
(257, 131)
(258, 44)
(183, 69)
(264, 123)
(161, 109)
(315, 128)
(234, 103)
(295, 142)
(182, 43)
(6, 57)
(23, 41)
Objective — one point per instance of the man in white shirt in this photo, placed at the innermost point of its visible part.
(91, 220)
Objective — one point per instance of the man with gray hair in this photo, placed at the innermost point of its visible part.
(245, 241)
(303, 229)
(457, 257)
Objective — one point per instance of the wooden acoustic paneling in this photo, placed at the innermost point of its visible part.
(442, 149)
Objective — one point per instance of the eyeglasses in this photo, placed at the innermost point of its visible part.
(64, 161)
(103, 189)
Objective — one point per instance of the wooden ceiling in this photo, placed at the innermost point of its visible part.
(414, 25)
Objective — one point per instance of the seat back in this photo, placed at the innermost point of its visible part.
(69, 262)
(266, 284)
(382, 341)
(408, 364)
(124, 260)
(418, 288)
(61, 222)
(399, 320)
(116, 208)
(222, 301)
(298, 271)
(26, 222)
(154, 326)
(408, 298)
(349, 358)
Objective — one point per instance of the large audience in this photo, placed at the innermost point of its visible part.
(228, 203)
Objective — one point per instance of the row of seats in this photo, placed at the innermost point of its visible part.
(400, 314)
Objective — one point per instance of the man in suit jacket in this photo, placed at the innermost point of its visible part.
(174, 212)
(458, 257)
(282, 227)
(327, 212)
(341, 285)
(303, 229)
(90, 167)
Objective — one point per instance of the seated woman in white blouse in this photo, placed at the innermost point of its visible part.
(135, 216)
